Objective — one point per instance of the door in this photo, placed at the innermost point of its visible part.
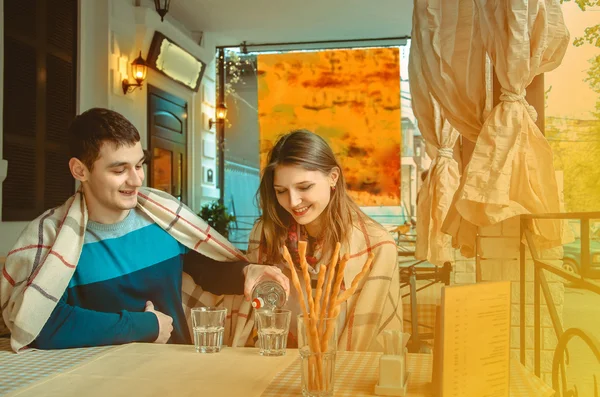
(167, 134)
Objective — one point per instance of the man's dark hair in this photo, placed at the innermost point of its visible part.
(94, 127)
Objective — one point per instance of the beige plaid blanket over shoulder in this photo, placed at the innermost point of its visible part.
(38, 269)
(376, 304)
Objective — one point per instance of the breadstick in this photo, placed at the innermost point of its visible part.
(307, 283)
(330, 274)
(331, 313)
(337, 301)
(295, 280)
(329, 328)
(320, 282)
(311, 326)
(338, 284)
(348, 293)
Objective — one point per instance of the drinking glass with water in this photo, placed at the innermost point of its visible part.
(208, 324)
(273, 327)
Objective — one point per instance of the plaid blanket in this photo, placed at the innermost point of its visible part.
(38, 269)
(376, 305)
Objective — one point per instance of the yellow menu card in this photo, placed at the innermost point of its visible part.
(475, 341)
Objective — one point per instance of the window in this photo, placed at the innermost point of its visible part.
(40, 39)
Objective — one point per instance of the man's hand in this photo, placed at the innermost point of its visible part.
(165, 323)
(256, 273)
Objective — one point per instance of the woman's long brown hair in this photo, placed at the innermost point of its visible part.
(309, 151)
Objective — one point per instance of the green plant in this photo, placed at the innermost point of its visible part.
(217, 216)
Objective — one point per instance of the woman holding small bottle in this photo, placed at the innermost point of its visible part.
(303, 197)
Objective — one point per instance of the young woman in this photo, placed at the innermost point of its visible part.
(303, 197)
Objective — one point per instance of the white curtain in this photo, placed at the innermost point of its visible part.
(447, 80)
(511, 171)
(435, 196)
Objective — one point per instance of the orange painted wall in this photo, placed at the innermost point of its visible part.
(349, 97)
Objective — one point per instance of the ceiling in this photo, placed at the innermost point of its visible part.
(274, 21)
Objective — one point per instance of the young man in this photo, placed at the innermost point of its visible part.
(127, 282)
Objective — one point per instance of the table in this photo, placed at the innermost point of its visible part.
(18, 370)
(357, 373)
(144, 369)
(160, 370)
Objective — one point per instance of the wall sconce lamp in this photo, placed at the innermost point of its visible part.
(138, 69)
(221, 114)
(162, 7)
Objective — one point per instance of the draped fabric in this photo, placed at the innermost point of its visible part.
(376, 305)
(38, 269)
(447, 38)
(447, 82)
(511, 171)
(436, 192)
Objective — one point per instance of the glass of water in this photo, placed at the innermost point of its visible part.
(273, 327)
(208, 325)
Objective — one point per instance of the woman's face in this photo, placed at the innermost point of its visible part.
(303, 193)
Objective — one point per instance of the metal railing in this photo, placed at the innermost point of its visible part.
(408, 278)
(541, 287)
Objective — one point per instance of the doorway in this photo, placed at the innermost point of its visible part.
(167, 142)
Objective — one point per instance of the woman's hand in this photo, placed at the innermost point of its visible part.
(257, 273)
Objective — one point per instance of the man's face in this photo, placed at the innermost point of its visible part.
(112, 184)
